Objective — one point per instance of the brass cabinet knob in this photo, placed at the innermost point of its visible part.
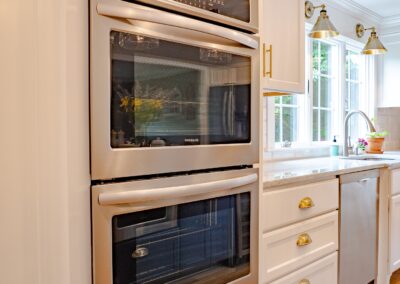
(306, 203)
(304, 281)
(303, 240)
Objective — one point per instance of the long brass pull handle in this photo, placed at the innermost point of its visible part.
(304, 281)
(303, 240)
(306, 203)
(265, 50)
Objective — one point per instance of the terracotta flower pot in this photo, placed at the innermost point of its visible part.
(375, 145)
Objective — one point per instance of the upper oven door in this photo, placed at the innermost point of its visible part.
(169, 93)
(242, 14)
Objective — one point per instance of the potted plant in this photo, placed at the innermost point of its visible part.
(361, 145)
(375, 142)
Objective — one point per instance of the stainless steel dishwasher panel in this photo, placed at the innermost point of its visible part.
(358, 227)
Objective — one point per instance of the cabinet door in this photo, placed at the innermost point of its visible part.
(395, 233)
(282, 33)
(395, 186)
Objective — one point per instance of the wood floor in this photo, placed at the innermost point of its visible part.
(395, 278)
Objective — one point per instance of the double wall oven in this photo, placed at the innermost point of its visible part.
(174, 137)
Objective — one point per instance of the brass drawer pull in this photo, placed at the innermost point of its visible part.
(304, 281)
(306, 203)
(140, 252)
(265, 50)
(303, 240)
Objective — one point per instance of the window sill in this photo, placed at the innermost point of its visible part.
(283, 154)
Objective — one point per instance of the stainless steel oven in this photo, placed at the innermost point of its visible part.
(169, 93)
(198, 228)
(241, 14)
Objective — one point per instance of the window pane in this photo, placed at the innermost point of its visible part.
(326, 59)
(354, 96)
(278, 100)
(315, 92)
(278, 124)
(315, 125)
(289, 121)
(289, 100)
(325, 125)
(315, 57)
(354, 60)
(326, 92)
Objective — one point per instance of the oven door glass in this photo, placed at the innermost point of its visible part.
(171, 94)
(205, 241)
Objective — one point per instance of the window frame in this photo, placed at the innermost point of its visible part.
(305, 104)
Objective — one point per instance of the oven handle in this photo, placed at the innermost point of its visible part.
(159, 17)
(134, 196)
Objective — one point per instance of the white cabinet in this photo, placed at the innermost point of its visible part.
(395, 182)
(282, 32)
(394, 221)
(395, 233)
(299, 228)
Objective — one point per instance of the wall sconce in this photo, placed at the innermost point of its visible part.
(323, 28)
(374, 45)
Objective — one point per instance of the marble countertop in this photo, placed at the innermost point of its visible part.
(278, 173)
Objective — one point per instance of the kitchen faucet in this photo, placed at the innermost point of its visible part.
(346, 129)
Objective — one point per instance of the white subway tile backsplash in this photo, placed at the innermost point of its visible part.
(389, 119)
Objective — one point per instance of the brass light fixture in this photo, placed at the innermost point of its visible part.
(374, 46)
(323, 28)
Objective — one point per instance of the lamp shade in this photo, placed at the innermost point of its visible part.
(323, 28)
(374, 46)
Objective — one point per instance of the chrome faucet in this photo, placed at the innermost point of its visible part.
(346, 129)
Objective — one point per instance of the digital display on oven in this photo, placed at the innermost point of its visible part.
(235, 9)
(211, 5)
(238, 9)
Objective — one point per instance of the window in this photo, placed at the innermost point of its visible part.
(354, 88)
(286, 110)
(322, 90)
(337, 78)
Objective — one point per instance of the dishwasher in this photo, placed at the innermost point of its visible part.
(358, 227)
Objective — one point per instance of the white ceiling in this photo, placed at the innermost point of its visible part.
(384, 8)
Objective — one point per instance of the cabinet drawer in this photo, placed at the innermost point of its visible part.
(282, 207)
(288, 249)
(322, 271)
(395, 184)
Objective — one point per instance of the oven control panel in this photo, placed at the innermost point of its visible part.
(210, 5)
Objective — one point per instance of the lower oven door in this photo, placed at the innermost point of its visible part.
(165, 87)
(201, 238)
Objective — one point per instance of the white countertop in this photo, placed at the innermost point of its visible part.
(278, 173)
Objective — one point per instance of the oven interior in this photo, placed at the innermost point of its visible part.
(199, 242)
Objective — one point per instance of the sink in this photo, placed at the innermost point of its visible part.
(367, 158)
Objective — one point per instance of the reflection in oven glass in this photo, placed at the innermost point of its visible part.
(200, 242)
(170, 94)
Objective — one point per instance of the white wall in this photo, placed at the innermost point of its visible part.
(390, 69)
(44, 164)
